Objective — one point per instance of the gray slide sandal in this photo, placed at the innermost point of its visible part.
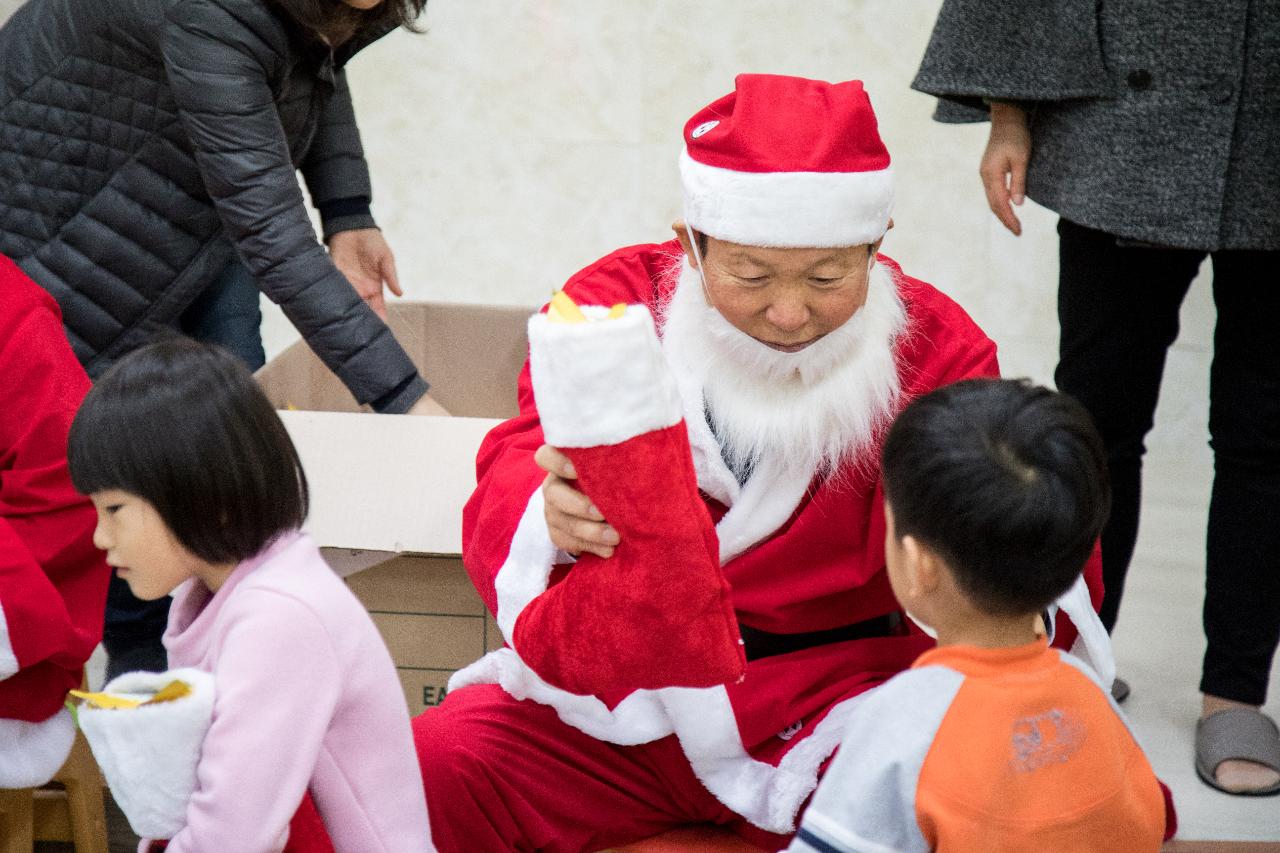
(1237, 733)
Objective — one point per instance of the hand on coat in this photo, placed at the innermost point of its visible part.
(364, 257)
(573, 521)
(1004, 163)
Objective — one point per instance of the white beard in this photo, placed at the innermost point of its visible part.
(812, 410)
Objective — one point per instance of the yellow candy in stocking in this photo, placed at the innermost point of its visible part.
(562, 309)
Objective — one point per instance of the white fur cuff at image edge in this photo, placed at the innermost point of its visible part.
(600, 383)
(149, 754)
(30, 753)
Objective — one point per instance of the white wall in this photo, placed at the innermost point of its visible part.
(518, 140)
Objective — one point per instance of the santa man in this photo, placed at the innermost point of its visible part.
(792, 344)
(53, 582)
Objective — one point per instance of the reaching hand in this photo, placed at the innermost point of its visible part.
(364, 257)
(1004, 163)
(427, 405)
(573, 521)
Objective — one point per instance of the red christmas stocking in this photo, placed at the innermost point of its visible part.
(658, 613)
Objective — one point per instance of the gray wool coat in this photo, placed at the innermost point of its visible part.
(145, 143)
(1155, 120)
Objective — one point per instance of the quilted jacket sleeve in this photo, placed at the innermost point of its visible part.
(335, 169)
(218, 69)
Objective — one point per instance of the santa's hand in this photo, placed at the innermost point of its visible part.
(573, 522)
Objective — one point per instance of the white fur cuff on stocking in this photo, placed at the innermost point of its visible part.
(600, 383)
(149, 754)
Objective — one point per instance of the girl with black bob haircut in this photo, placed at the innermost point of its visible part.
(185, 427)
(200, 494)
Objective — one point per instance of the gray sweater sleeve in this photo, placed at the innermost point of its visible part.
(218, 73)
(1012, 50)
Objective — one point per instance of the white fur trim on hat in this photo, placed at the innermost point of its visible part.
(600, 383)
(149, 754)
(30, 753)
(787, 209)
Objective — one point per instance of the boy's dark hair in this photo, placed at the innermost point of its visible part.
(1006, 481)
(184, 426)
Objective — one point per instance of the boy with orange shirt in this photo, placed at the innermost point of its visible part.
(995, 492)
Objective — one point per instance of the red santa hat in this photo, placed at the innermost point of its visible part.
(787, 162)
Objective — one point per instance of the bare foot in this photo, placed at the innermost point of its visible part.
(1234, 774)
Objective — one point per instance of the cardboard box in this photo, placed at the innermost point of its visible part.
(387, 492)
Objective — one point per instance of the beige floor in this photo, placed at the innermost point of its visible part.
(1159, 644)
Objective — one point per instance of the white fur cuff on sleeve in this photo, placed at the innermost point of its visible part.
(600, 383)
(30, 753)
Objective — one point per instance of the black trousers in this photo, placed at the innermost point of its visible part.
(1118, 310)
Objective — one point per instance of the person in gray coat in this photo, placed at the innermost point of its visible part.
(1152, 129)
(148, 158)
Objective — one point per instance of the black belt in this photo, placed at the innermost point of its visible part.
(763, 644)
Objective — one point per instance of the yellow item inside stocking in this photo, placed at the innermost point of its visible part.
(175, 689)
(563, 309)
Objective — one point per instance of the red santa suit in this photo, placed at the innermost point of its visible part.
(807, 559)
(53, 582)
(802, 553)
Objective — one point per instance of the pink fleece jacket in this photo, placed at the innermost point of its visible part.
(306, 698)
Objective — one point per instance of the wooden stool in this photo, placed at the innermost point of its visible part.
(70, 808)
(709, 839)
(16, 821)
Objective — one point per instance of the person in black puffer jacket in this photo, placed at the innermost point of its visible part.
(148, 151)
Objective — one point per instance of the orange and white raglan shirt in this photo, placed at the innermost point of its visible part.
(988, 750)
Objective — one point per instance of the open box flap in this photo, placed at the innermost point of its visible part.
(386, 484)
(470, 354)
